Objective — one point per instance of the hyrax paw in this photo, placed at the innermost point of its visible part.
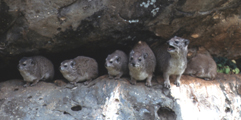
(167, 85)
(26, 85)
(206, 78)
(86, 82)
(148, 84)
(133, 82)
(177, 83)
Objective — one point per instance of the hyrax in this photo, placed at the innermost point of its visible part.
(79, 69)
(142, 62)
(172, 59)
(201, 64)
(35, 68)
(116, 64)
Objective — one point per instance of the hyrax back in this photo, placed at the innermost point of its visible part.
(142, 62)
(79, 69)
(117, 64)
(171, 59)
(35, 68)
(201, 64)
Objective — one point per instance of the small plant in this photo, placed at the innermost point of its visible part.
(226, 66)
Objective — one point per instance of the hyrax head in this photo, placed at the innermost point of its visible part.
(26, 64)
(191, 52)
(112, 61)
(67, 66)
(137, 59)
(177, 44)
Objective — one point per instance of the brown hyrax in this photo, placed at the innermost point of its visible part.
(201, 64)
(116, 64)
(79, 69)
(172, 59)
(142, 63)
(35, 68)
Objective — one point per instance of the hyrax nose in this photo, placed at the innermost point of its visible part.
(167, 42)
(133, 64)
(105, 64)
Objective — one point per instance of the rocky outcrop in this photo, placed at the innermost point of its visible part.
(54, 26)
(111, 99)
(65, 29)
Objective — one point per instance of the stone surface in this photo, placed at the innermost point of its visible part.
(65, 29)
(28, 27)
(111, 100)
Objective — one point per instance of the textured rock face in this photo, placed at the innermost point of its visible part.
(65, 29)
(53, 26)
(110, 99)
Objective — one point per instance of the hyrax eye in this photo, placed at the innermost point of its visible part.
(72, 64)
(176, 42)
(139, 59)
(24, 64)
(111, 62)
(131, 58)
(118, 59)
(65, 66)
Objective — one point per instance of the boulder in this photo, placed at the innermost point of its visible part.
(112, 99)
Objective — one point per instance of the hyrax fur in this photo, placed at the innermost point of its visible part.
(142, 63)
(172, 59)
(79, 69)
(201, 64)
(117, 64)
(35, 68)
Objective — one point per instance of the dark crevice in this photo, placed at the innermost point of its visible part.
(16, 89)
(29, 97)
(76, 108)
(165, 113)
(227, 109)
(66, 113)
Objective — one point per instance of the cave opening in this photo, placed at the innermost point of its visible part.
(99, 54)
(165, 113)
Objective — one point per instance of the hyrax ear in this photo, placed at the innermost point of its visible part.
(118, 58)
(186, 41)
(32, 61)
(107, 57)
(132, 52)
(145, 55)
(72, 63)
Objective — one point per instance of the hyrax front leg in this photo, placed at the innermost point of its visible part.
(35, 82)
(27, 84)
(166, 80)
(133, 81)
(87, 82)
(118, 76)
(148, 81)
(178, 82)
(110, 76)
(74, 83)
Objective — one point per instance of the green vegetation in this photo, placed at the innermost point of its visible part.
(226, 66)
